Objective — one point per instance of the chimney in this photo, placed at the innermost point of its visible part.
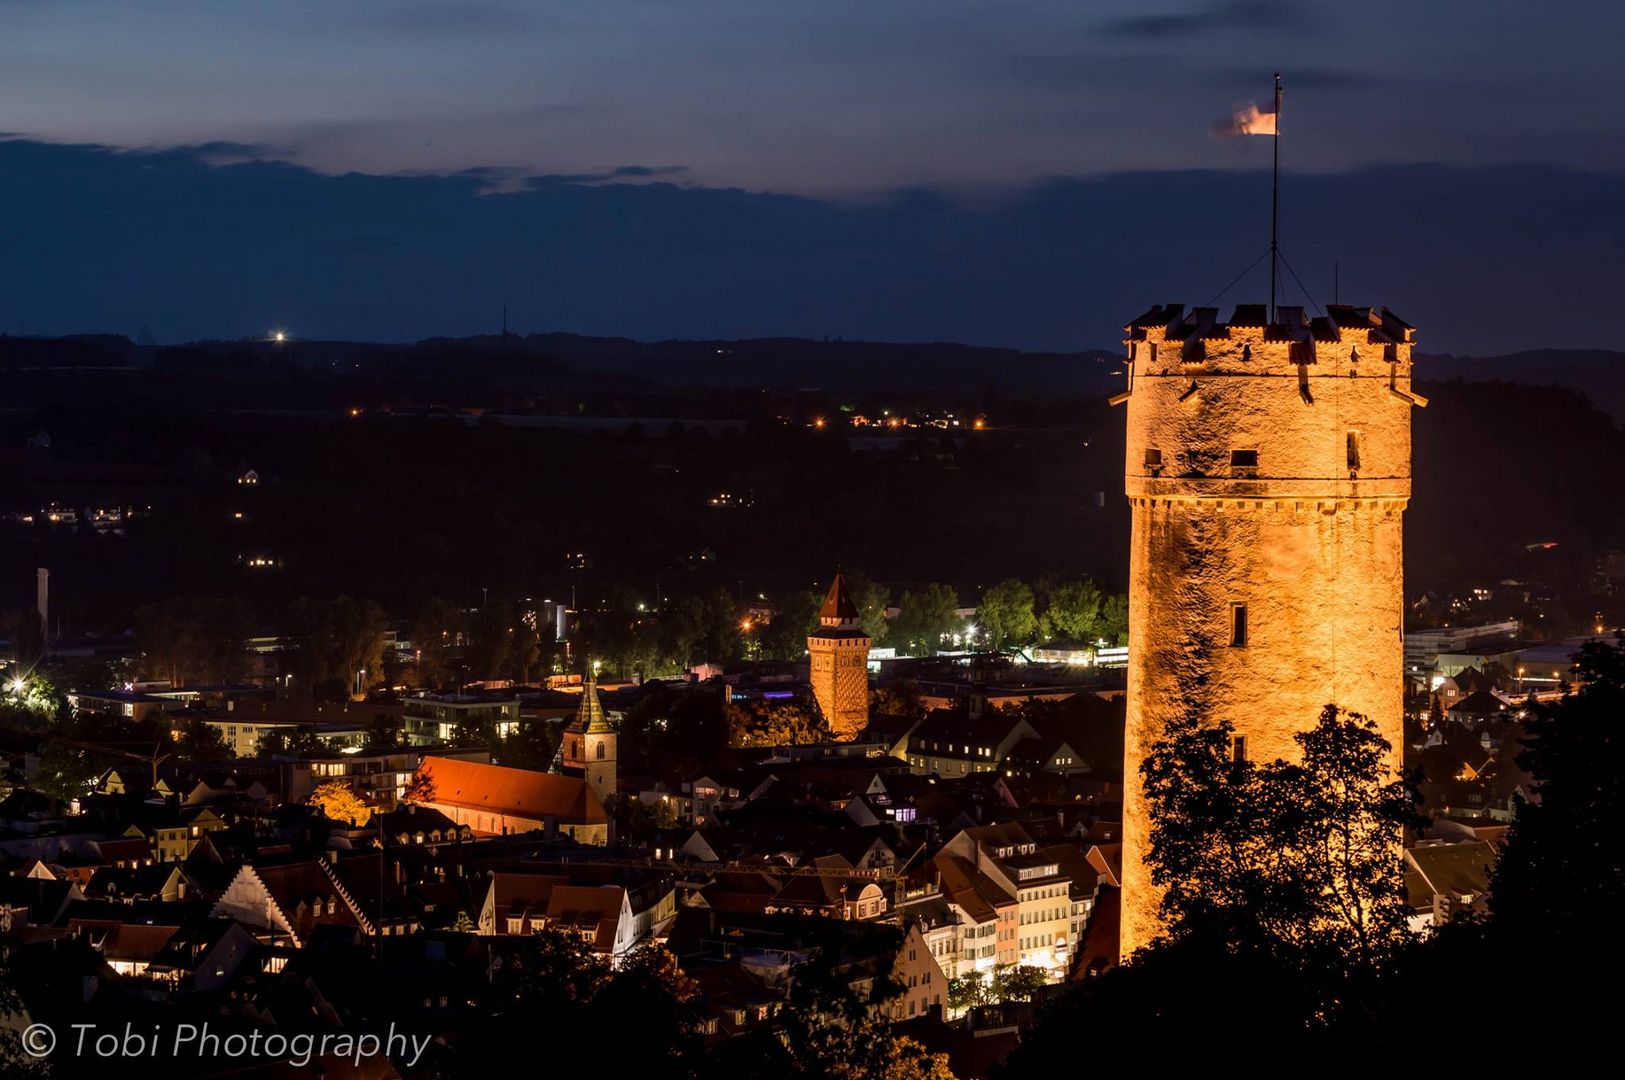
(42, 600)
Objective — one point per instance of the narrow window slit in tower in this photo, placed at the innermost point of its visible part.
(1238, 626)
(1354, 452)
(1238, 750)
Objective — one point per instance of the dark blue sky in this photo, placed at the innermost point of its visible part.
(1029, 172)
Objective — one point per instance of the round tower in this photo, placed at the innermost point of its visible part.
(1268, 467)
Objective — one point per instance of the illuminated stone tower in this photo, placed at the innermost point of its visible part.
(1268, 468)
(838, 652)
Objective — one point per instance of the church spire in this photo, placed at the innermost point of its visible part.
(590, 715)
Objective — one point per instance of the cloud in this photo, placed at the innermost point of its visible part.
(521, 179)
(648, 170)
(228, 152)
(1211, 18)
(198, 251)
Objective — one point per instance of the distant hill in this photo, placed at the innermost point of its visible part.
(1512, 480)
(827, 364)
(833, 364)
(1599, 374)
(76, 351)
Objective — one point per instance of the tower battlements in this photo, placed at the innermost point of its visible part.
(1301, 409)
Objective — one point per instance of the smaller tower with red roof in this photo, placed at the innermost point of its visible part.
(839, 653)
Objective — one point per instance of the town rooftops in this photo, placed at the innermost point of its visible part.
(1003, 840)
(978, 895)
(1479, 703)
(1554, 652)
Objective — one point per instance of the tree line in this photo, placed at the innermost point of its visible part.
(332, 646)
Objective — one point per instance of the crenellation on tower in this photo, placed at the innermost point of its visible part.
(1268, 464)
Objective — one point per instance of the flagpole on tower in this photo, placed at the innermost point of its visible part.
(1275, 196)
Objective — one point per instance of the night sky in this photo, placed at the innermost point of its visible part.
(1029, 173)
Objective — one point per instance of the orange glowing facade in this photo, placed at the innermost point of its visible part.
(838, 663)
(1268, 468)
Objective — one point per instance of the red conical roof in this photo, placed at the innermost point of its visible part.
(839, 607)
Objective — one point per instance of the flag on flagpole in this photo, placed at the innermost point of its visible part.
(1247, 119)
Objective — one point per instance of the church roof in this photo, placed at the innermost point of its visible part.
(471, 785)
(839, 607)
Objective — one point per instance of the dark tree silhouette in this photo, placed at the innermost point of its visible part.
(833, 1027)
(1562, 872)
(1301, 860)
(552, 989)
(1285, 904)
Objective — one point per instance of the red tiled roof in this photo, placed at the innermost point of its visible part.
(138, 942)
(136, 847)
(518, 894)
(290, 883)
(587, 908)
(972, 890)
(1108, 860)
(517, 792)
(839, 606)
